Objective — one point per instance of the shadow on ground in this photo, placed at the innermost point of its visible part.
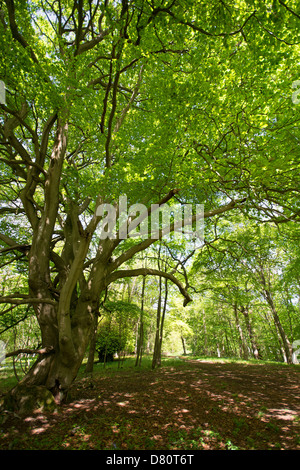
(198, 405)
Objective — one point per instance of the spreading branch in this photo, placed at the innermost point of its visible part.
(207, 33)
(43, 351)
(12, 245)
(15, 31)
(149, 241)
(153, 272)
(86, 46)
(127, 107)
(19, 299)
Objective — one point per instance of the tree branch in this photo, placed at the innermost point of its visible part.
(289, 9)
(86, 46)
(49, 350)
(207, 33)
(146, 243)
(45, 137)
(12, 245)
(23, 248)
(146, 272)
(192, 25)
(11, 210)
(131, 100)
(14, 29)
(19, 299)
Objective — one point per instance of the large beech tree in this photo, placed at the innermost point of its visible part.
(157, 100)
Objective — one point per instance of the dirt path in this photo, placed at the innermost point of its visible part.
(199, 405)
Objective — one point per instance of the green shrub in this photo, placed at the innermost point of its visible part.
(109, 342)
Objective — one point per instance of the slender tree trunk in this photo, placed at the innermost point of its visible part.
(93, 340)
(287, 347)
(140, 341)
(161, 311)
(227, 342)
(163, 318)
(290, 308)
(205, 333)
(254, 346)
(183, 345)
(157, 330)
(232, 335)
(244, 351)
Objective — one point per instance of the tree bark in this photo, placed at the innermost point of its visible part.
(92, 348)
(205, 333)
(156, 352)
(254, 346)
(287, 347)
(183, 345)
(163, 320)
(243, 346)
(140, 341)
(160, 318)
(55, 371)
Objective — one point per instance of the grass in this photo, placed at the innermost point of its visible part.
(199, 439)
(177, 361)
(235, 360)
(128, 364)
(8, 379)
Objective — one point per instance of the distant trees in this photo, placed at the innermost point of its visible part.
(164, 102)
(250, 303)
(246, 303)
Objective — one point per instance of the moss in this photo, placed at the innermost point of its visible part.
(25, 399)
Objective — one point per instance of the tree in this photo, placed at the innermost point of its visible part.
(248, 265)
(96, 90)
(116, 329)
(140, 336)
(178, 331)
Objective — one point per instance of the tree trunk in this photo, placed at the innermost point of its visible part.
(254, 346)
(55, 371)
(93, 340)
(183, 345)
(160, 318)
(163, 320)
(243, 351)
(140, 341)
(205, 333)
(65, 331)
(287, 347)
(232, 330)
(156, 352)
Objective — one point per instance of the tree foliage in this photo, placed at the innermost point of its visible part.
(159, 101)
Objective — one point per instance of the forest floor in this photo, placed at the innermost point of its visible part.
(185, 404)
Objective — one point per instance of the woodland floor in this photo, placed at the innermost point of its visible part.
(200, 405)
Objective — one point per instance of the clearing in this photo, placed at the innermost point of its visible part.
(186, 404)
